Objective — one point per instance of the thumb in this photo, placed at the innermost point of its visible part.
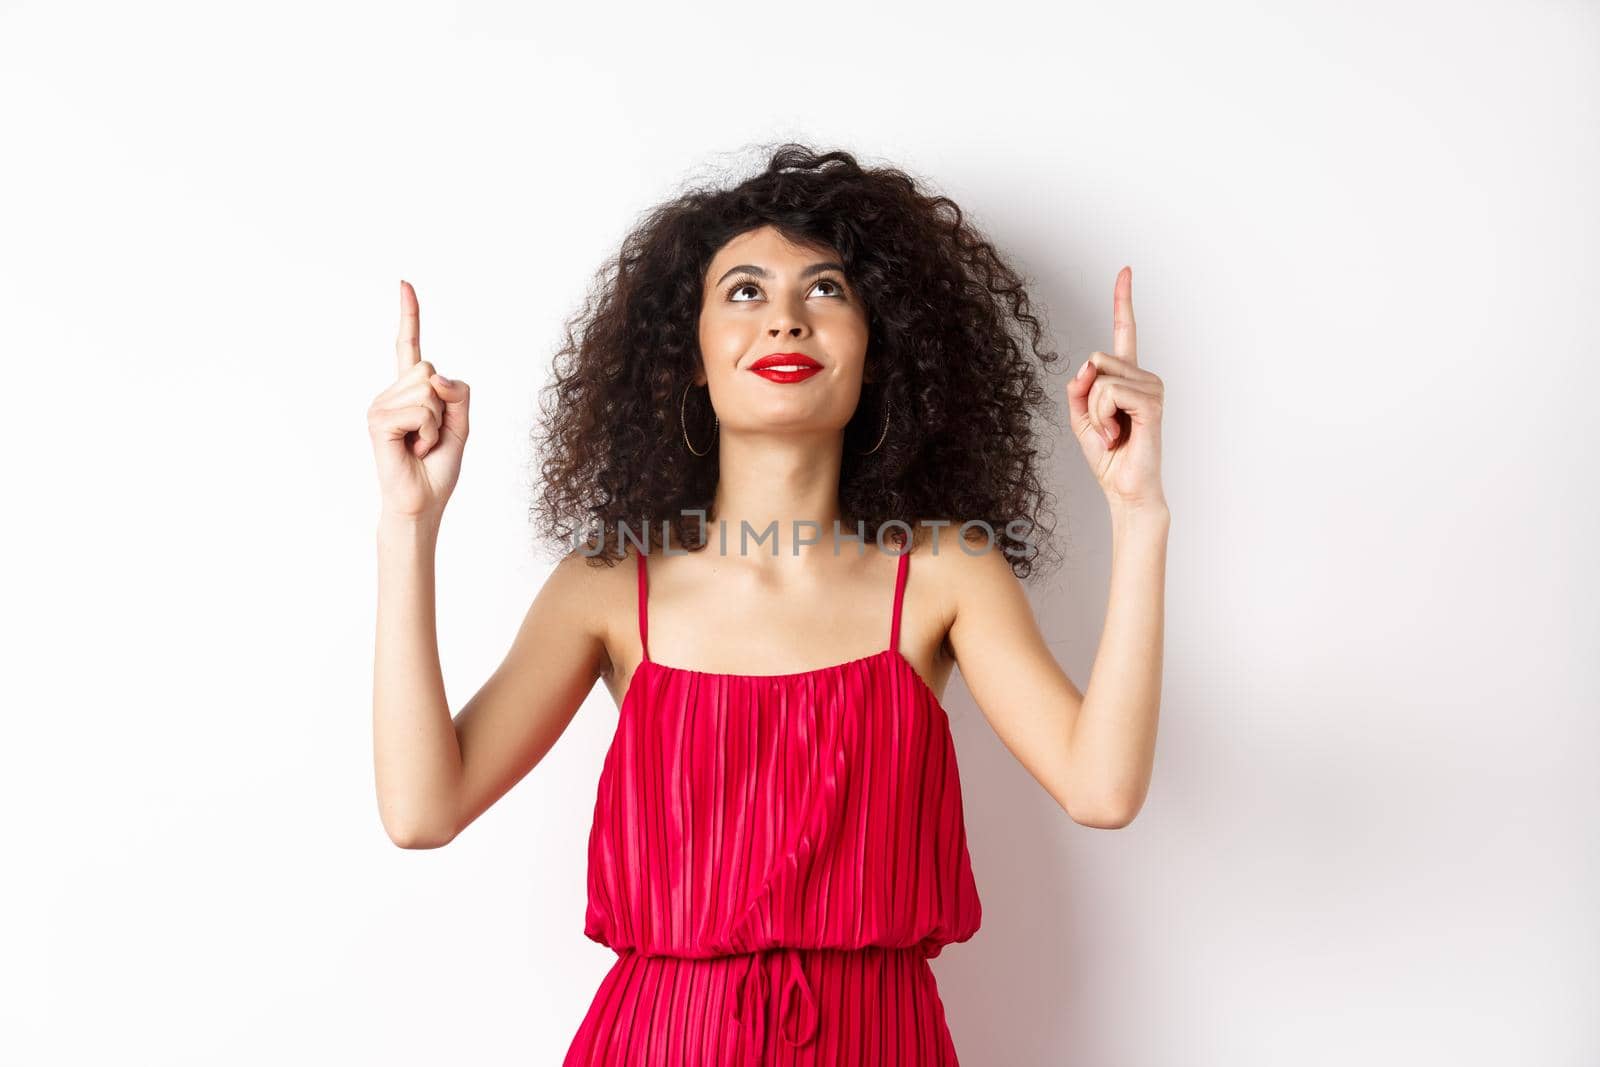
(456, 396)
(1078, 393)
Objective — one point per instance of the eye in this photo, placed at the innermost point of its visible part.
(733, 291)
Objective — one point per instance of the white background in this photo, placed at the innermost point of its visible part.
(1363, 244)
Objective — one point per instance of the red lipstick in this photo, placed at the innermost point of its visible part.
(786, 367)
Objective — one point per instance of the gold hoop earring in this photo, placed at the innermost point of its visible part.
(684, 425)
(888, 406)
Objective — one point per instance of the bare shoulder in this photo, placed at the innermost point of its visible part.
(948, 572)
(594, 594)
(965, 569)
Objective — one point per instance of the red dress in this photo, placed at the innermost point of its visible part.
(773, 859)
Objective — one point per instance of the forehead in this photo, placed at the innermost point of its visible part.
(767, 247)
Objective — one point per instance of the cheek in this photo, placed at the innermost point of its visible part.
(846, 338)
(718, 334)
(856, 323)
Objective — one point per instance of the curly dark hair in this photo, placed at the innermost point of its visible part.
(948, 318)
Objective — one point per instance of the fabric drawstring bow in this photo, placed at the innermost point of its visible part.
(751, 990)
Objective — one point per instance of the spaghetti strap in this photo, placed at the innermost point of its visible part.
(899, 594)
(644, 621)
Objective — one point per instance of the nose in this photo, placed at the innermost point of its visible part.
(787, 320)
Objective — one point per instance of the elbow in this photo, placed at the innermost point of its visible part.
(419, 839)
(1103, 813)
(415, 833)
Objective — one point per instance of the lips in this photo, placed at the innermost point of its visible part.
(786, 367)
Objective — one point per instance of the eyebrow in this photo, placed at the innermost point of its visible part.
(762, 272)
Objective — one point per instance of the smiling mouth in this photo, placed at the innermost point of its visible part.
(788, 362)
(782, 372)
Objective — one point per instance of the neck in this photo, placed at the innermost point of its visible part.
(775, 494)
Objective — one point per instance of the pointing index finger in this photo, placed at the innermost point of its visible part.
(408, 346)
(1124, 343)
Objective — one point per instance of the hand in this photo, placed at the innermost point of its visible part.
(1115, 410)
(418, 427)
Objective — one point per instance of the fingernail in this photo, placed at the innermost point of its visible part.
(1081, 368)
(442, 380)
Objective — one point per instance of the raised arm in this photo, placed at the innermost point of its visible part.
(1093, 752)
(435, 774)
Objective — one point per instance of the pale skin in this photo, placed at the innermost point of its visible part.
(758, 612)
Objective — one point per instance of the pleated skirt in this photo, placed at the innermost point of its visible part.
(864, 1007)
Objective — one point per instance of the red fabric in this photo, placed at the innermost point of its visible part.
(774, 858)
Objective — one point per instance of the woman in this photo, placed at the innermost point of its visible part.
(822, 352)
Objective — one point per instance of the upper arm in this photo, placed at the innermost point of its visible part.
(1012, 674)
(522, 710)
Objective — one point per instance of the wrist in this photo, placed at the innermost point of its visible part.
(407, 527)
(1154, 513)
